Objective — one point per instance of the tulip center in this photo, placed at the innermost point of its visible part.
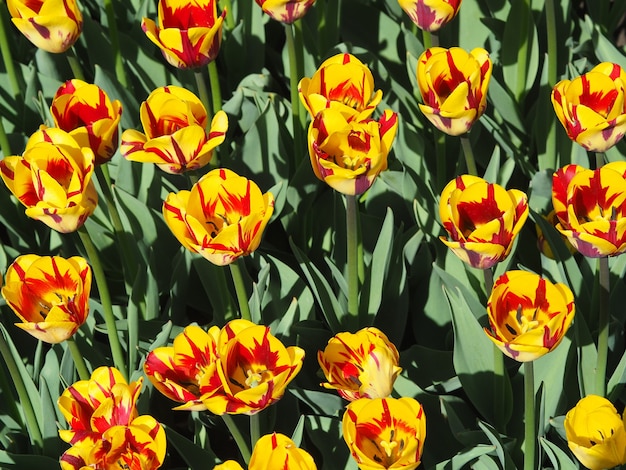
(389, 450)
(255, 378)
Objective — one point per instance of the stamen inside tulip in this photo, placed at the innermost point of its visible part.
(388, 447)
(259, 377)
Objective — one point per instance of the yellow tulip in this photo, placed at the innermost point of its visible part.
(276, 451)
(430, 15)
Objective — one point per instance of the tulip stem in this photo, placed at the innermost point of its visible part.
(549, 162)
(216, 92)
(29, 412)
(120, 73)
(239, 439)
(240, 290)
(72, 59)
(522, 52)
(105, 300)
(498, 363)
(352, 249)
(7, 57)
(255, 429)
(530, 437)
(202, 92)
(603, 325)
(293, 88)
(5, 146)
(599, 160)
(79, 360)
(469, 155)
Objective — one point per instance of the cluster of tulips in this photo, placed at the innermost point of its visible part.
(240, 367)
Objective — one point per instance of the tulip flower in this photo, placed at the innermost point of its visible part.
(528, 315)
(185, 372)
(453, 84)
(228, 465)
(342, 82)
(221, 218)
(254, 368)
(596, 433)
(277, 451)
(189, 33)
(50, 294)
(175, 138)
(51, 25)
(360, 365)
(87, 114)
(285, 11)
(53, 179)
(385, 433)
(430, 15)
(591, 208)
(348, 155)
(592, 108)
(482, 219)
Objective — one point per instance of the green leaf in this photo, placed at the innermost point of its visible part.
(194, 456)
(557, 456)
(11, 461)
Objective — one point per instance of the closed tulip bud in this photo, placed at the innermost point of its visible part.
(430, 15)
(276, 451)
(482, 219)
(189, 34)
(50, 294)
(528, 315)
(51, 25)
(344, 83)
(385, 433)
(87, 114)
(175, 137)
(360, 365)
(596, 433)
(285, 11)
(592, 108)
(53, 180)
(591, 208)
(453, 84)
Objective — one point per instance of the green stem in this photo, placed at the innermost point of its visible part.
(603, 326)
(72, 59)
(239, 439)
(29, 412)
(498, 362)
(255, 429)
(202, 92)
(549, 162)
(522, 52)
(120, 73)
(105, 300)
(240, 289)
(352, 255)
(216, 93)
(230, 19)
(469, 155)
(295, 99)
(5, 146)
(79, 360)
(427, 39)
(530, 436)
(7, 57)
(440, 155)
(298, 43)
(599, 160)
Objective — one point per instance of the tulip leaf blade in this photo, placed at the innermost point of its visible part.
(196, 457)
(10, 461)
(462, 459)
(557, 456)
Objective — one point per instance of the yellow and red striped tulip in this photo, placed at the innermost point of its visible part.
(228, 465)
(53, 179)
(285, 11)
(342, 82)
(221, 218)
(349, 155)
(430, 15)
(51, 25)
(189, 33)
(86, 112)
(139, 445)
(175, 138)
(596, 433)
(453, 84)
(360, 365)
(277, 451)
(591, 208)
(385, 433)
(592, 108)
(92, 406)
(254, 368)
(528, 315)
(482, 219)
(50, 294)
(186, 371)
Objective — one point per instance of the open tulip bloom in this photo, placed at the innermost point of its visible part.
(591, 208)
(87, 113)
(482, 219)
(431, 15)
(50, 294)
(453, 84)
(342, 82)
(189, 33)
(528, 315)
(175, 138)
(592, 107)
(285, 11)
(51, 25)
(53, 179)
